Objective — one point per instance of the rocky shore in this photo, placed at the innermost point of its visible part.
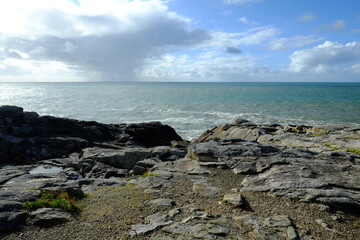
(143, 181)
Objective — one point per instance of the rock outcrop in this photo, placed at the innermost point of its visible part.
(298, 162)
(26, 137)
(211, 188)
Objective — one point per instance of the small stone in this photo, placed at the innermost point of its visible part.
(222, 221)
(152, 191)
(291, 233)
(278, 221)
(325, 225)
(180, 144)
(174, 212)
(235, 199)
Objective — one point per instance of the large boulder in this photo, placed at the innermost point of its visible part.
(152, 134)
(238, 129)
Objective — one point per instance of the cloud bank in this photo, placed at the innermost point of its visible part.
(109, 39)
(143, 40)
(328, 56)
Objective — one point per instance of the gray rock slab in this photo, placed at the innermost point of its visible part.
(46, 217)
(205, 189)
(164, 202)
(125, 158)
(19, 195)
(152, 223)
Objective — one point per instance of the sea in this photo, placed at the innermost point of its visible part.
(191, 108)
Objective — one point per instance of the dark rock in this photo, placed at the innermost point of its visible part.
(16, 219)
(9, 206)
(152, 134)
(47, 217)
(30, 117)
(26, 138)
(139, 170)
(149, 163)
(11, 112)
(165, 153)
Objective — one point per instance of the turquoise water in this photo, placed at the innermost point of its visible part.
(191, 108)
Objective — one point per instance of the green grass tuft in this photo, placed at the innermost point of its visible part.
(53, 199)
(148, 174)
(353, 151)
(334, 148)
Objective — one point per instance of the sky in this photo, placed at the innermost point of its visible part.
(180, 40)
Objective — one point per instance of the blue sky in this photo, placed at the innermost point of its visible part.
(180, 40)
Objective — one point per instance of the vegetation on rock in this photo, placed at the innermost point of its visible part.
(53, 199)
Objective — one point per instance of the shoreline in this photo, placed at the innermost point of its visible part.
(231, 181)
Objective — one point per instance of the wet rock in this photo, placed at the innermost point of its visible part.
(46, 217)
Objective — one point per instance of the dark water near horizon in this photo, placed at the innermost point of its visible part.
(191, 108)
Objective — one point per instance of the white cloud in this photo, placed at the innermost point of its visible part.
(214, 67)
(356, 68)
(335, 26)
(356, 30)
(282, 44)
(226, 12)
(241, 1)
(252, 36)
(325, 57)
(110, 37)
(307, 17)
(245, 20)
